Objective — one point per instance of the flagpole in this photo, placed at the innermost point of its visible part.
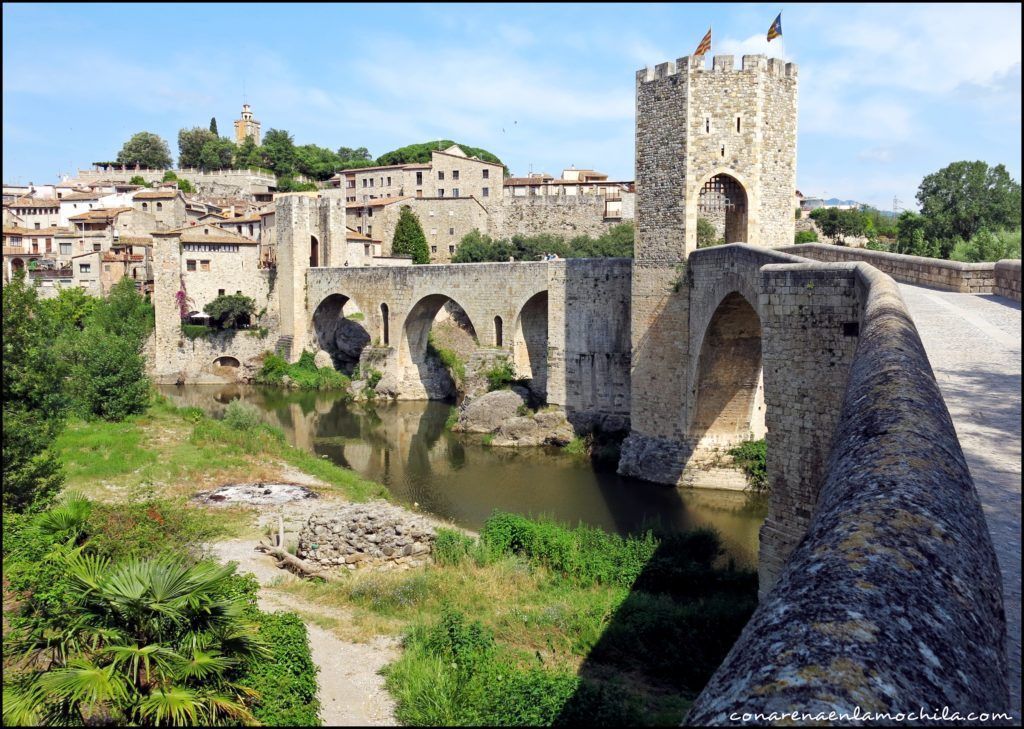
(783, 40)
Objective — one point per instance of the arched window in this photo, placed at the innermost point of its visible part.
(497, 331)
(159, 206)
(145, 206)
(385, 323)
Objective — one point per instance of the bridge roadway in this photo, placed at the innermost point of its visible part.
(974, 346)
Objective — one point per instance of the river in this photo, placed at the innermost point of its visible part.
(405, 446)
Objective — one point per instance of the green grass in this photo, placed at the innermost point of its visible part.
(452, 419)
(448, 358)
(568, 624)
(577, 446)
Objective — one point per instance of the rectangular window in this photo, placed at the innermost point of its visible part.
(440, 174)
(433, 249)
(451, 231)
(440, 192)
(37, 226)
(369, 230)
(389, 182)
(455, 174)
(369, 213)
(35, 245)
(65, 249)
(95, 246)
(371, 182)
(85, 268)
(487, 174)
(49, 245)
(106, 267)
(190, 265)
(220, 292)
(451, 249)
(204, 265)
(455, 192)
(419, 178)
(433, 231)
(365, 183)
(419, 193)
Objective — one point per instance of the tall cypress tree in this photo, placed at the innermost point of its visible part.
(409, 239)
(213, 125)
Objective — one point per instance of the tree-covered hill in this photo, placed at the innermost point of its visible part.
(421, 153)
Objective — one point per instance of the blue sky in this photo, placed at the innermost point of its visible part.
(887, 93)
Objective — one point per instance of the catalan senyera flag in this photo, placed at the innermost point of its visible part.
(705, 45)
(776, 30)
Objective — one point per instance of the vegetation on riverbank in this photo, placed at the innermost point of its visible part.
(113, 616)
(536, 623)
(304, 374)
(749, 456)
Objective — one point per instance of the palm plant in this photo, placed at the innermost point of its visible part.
(145, 642)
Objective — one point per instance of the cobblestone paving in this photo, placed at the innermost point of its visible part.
(974, 345)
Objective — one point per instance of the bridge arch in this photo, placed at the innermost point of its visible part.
(530, 342)
(414, 360)
(338, 329)
(727, 380)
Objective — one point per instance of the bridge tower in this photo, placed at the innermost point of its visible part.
(718, 144)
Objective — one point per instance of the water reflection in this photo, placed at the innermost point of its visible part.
(405, 446)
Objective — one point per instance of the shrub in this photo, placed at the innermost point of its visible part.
(451, 547)
(374, 378)
(705, 233)
(241, 415)
(501, 376)
(195, 331)
(449, 358)
(273, 370)
(231, 311)
(286, 681)
(805, 236)
(750, 457)
(110, 377)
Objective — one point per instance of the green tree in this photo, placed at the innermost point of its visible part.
(290, 184)
(109, 377)
(146, 150)
(169, 176)
(475, 247)
(316, 162)
(988, 246)
(964, 197)
(186, 186)
(231, 311)
(190, 146)
(705, 233)
(144, 643)
(910, 237)
(33, 402)
(278, 152)
(409, 239)
(217, 154)
(213, 126)
(138, 180)
(248, 154)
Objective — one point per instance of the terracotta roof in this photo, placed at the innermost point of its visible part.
(155, 194)
(351, 234)
(122, 257)
(34, 202)
(206, 234)
(249, 218)
(82, 196)
(18, 230)
(100, 214)
(377, 203)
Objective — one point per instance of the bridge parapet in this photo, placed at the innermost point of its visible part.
(893, 600)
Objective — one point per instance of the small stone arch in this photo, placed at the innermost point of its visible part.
(530, 343)
(314, 252)
(227, 361)
(338, 329)
(498, 331)
(17, 265)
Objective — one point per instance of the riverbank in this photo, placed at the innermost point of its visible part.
(636, 647)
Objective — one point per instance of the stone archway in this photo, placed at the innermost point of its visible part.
(530, 343)
(17, 265)
(729, 383)
(423, 373)
(724, 203)
(338, 330)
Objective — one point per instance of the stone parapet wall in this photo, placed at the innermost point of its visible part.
(893, 600)
(965, 278)
(1008, 281)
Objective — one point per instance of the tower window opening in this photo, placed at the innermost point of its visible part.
(737, 124)
(723, 150)
(707, 125)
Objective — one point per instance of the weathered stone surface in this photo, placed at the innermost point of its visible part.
(323, 358)
(486, 413)
(369, 535)
(544, 428)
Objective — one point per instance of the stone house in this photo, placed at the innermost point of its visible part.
(214, 261)
(35, 212)
(167, 206)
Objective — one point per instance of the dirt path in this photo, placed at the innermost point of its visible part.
(351, 692)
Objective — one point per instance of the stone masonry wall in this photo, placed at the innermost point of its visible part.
(968, 278)
(372, 535)
(893, 601)
(568, 216)
(1008, 281)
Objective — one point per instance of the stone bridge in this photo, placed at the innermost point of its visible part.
(564, 324)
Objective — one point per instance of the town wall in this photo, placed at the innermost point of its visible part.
(565, 215)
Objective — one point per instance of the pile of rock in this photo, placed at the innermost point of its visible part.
(371, 535)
